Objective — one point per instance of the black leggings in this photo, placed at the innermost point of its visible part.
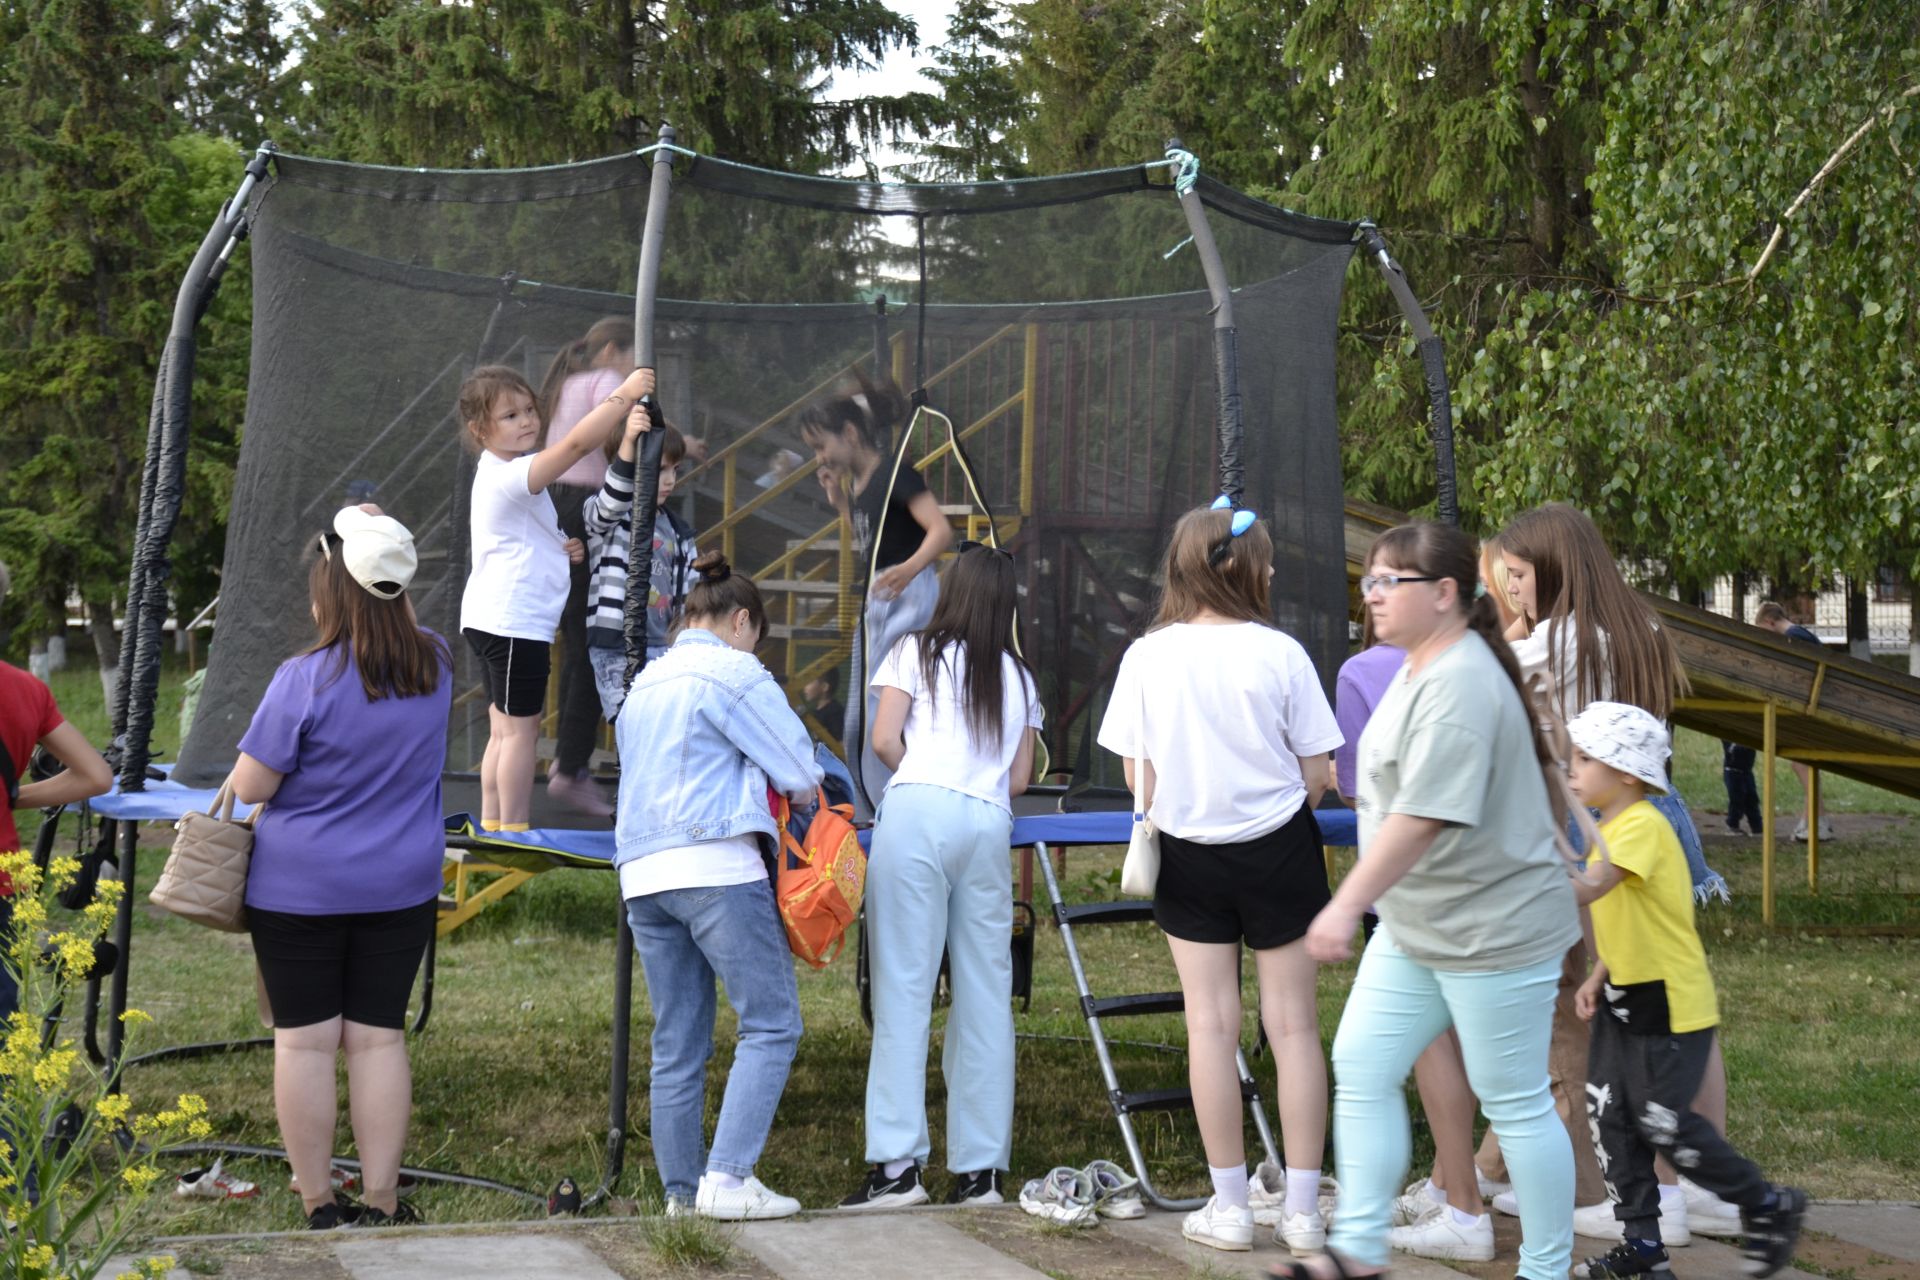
(358, 966)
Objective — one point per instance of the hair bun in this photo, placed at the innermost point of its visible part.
(712, 566)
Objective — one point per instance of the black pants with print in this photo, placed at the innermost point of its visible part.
(1639, 1090)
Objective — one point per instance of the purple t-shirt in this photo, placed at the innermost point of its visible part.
(1362, 683)
(356, 824)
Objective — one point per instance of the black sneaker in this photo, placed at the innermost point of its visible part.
(1628, 1258)
(976, 1188)
(403, 1215)
(881, 1192)
(337, 1213)
(1772, 1234)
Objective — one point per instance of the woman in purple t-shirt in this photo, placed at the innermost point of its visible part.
(346, 750)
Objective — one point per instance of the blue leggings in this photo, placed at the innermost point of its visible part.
(1396, 1008)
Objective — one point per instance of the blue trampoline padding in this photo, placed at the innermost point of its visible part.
(563, 847)
(160, 802)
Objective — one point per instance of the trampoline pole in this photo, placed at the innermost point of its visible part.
(617, 1085)
(1226, 338)
(1434, 366)
(646, 479)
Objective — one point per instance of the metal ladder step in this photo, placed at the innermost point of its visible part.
(1134, 1006)
(1103, 912)
(1138, 1100)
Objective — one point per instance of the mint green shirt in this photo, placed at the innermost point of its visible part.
(1453, 743)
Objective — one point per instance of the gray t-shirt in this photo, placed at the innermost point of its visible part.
(1453, 743)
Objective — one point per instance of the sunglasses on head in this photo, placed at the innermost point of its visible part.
(1242, 521)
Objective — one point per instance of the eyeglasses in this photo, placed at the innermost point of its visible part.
(1387, 582)
(969, 544)
(1241, 522)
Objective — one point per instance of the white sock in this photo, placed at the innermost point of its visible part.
(1230, 1185)
(722, 1181)
(1669, 1196)
(1461, 1217)
(1437, 1193)
(1303, 1191)
(894, 1168)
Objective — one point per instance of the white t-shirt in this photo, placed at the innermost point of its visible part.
(1229, 711)
(940, 746)
(518, 586)
(711, 864)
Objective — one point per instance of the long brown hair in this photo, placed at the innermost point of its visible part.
(1577, 584)
(979, 592)
(480, 392)
(395, 658)
(578, 357)
(875, 410)
(1207, 568)
(1438, 550)
(721, 591)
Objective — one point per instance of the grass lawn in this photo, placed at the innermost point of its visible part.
(511, 1077)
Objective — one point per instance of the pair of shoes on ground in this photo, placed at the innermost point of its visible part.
(340, 1212)
(1767, 1242)
(1598, 1221)
(1081, 1197)
(1826, 830)
(213, 1183)
(980, 1187)
(1230, 1227)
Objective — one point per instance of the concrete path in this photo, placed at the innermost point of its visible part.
(1884, 1238)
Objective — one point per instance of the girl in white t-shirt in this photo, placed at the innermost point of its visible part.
(1234, 727)
(955, 723)
(518, 585)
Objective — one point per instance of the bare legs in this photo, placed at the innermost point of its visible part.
(506, 769)
(380, 1103)
(1291, 1016)
(1450, 1105)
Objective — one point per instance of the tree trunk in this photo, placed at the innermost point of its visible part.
(1739, 597)
(39, 666)
(1859, 644)
(106, 645)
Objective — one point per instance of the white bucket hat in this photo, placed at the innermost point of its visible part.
(377, 550)
(1624, 737)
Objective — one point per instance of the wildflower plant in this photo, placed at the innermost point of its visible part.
(76, 1160)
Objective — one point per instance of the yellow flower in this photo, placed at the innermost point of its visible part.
(62, 871)
(132, 1016)
(113, 1107)
(38, 1257)
(54, 1070)
(139, 1177)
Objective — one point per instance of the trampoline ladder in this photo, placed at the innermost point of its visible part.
(1128, 1103)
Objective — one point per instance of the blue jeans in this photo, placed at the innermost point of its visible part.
(685, 937)
(1505, 1019)
(610, 677)
(939, 875)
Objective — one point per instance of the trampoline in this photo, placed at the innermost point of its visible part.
(1109, 349)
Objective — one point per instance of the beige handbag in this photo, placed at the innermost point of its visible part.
(205, 879)
(1140, 871)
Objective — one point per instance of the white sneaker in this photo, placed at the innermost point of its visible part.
(1065, 1196)
(1415, 1203)
(1219, 1226)
(1304, 1233)
(678, 1208)
(1596, 1222)
(1800, 831)
(1267, 1195)
(1508, 1203)
(1116, 1193)
(1442, 1235)
(1708, 1214)
(751, 1201)
(1488, 1187)
(1826, 829)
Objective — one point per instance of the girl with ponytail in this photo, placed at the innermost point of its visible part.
(704, 733)
(1476, 912)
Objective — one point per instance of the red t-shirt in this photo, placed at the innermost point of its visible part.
(27, 714)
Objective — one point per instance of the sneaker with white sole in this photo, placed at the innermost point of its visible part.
(1707, 1213)
(1220, 1226)
(881, 1192)
(1441, 1234)
(1597, 1222)
(751, 1201)
(1065, 1196)
(1116, 1193)
(1304, 1233)
(1267, 1195)
(1415, 1203)
(213, 1184)
(978, 1188)
(1488, 1187)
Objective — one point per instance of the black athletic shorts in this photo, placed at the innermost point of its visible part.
(359, 967)
(513, 671)
(1266, 890)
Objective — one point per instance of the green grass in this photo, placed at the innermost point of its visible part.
(511, 1077)
(1696, 764)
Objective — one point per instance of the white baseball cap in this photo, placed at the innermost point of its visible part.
(377, 550)
(1624, 737)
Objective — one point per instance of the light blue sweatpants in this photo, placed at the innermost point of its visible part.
(1505, 1019)
(939, 875)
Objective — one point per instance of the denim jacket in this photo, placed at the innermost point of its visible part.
(704, 731)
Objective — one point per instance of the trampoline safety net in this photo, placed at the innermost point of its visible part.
(1046, 318)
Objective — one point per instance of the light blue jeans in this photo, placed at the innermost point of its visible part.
(1505, 1019)
(886, 621)
(610, 676)
(685, 937)
(939, 875)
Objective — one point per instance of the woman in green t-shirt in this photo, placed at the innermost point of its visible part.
(1475, 910)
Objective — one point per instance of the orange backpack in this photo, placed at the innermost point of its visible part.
(823, 877)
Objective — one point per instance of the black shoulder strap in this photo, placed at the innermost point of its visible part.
(9, 773)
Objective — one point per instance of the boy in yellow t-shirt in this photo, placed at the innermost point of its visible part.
(1651, 1002)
